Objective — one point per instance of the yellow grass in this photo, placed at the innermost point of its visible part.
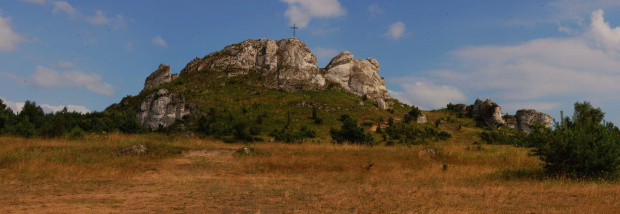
(208, 177)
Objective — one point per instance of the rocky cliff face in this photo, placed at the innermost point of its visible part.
(526, 118)
(489, 112)
(160, 76)
(161, 108)
(359, 76)
(286, 64)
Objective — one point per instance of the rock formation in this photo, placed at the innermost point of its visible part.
(421, 119)
(489, 112)
(524, 119)
(160, 76)
(359, 76)
(286, 64)
(161, 108)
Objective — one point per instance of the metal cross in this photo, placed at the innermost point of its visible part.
(294, 28)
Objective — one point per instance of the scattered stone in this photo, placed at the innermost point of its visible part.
(134, 150)
(360, 102)
(427, 153)
(271, 141)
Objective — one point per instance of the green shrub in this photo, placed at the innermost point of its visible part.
(76, 133)
(350, 132)
(584, 147)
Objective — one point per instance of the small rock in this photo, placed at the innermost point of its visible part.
(137, 149)
(270, 141)
(421, 119)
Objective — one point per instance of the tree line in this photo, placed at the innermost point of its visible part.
(31, 121)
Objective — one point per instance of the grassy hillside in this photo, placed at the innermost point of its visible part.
(242, 98)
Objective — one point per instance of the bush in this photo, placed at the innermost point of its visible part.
(351, 133)
(584, 147)
(76, 133)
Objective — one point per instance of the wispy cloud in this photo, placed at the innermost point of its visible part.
(49, 78)
(300, 12)
(98, 19)
(540, 73)
(64, 7)
(160, 41)
(396, 30)
(375, 10)
(9, 39)
(426, 94)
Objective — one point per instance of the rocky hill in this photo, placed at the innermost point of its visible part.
(286, 64)
(278, 83)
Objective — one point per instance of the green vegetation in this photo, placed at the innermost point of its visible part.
(585, 146)
(351, 133)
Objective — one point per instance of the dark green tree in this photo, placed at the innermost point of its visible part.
(350, 132)
(585, 146)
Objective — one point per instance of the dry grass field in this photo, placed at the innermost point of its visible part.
(179, 175)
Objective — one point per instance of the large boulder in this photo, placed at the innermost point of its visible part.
(526, 118)
(161, 108)
(489, 112)
(160, 76)
(286, 64)
(359, 76)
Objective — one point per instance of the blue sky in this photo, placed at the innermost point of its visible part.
(544, 55)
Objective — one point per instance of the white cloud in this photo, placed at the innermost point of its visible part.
(70, 108)
(48, 78)
(65, 7)
(300, 12)
(427, 95)
(98, 19)
(39, 2)
(396, 30)
(375, 10)
(575, 9)
(17, 107)
(606, 37)
(325, 53)
(159, 41)
(546, 74)
(8, 38)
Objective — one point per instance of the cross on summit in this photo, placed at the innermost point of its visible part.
(294, 27)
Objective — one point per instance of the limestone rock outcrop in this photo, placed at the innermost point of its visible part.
(161, 108)
(160, 76)
(489, 112)
(526, 118)
(286, 64)
(359, 76)
(421, 119)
